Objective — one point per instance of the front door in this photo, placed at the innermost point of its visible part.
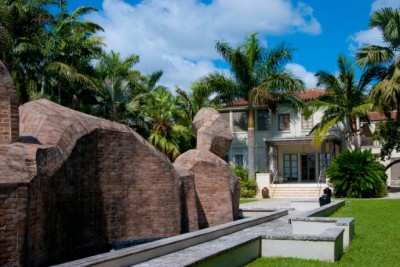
(308, 168)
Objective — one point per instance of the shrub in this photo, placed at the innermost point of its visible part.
(357, 174)
(248, 187)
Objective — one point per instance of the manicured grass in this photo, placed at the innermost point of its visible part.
(247, 200)
(376, 242)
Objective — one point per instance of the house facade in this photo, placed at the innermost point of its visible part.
(283, 147)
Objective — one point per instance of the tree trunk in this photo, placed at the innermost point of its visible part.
(358, 133)
(250, 142)
(42, 85)
(397, 118)
(59, 89)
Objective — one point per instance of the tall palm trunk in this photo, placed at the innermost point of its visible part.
(398, 107)
(250, 142)
(43, 85)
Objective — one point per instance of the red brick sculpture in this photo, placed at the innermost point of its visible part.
(75, 185)
(212, 131)
(78, 184)
(217, 187)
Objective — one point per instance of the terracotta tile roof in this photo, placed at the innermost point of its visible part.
(238, 103)
(375, 116)
(309, 94)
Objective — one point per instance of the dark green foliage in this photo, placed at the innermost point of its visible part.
(388, 132)
(248, 187)
(357, 174)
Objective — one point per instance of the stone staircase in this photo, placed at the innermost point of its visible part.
(305, 190)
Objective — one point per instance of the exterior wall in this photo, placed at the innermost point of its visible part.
(239, 143)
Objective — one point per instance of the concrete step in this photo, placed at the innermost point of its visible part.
(296, 190)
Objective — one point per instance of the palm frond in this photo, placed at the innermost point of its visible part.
(371, 55)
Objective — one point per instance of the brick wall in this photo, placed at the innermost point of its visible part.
(99, 197)
(13, 201)
(9, 122)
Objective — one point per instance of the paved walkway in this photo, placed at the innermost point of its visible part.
(195, 253)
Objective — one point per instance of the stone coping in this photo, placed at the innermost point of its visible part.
(337, 221)
(305, 200)
(145, 252)
(196, 247)
(330, 234)
(325, 210)
(263, 209)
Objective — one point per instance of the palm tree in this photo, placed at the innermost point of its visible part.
(113, 96)
(258, 76)
(22, 24)
(111, 64)
(343, 101)
(70, 41)
(167, 132)
(386, 93)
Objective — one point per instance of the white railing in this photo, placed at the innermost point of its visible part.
(320, 178)
(273, 182)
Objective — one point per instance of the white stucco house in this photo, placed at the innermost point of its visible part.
(283, 146)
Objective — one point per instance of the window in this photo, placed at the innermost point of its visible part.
(307, 124)
(262, 120)
(226, 158)
(239, 122)
(325, 160)
(283, 122)
(239, 160)
(290, 166)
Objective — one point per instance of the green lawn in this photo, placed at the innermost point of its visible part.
(376, 242)
(246, 200)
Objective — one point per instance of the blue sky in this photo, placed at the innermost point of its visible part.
(178, 36)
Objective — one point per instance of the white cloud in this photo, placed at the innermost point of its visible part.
(299, 71)
(378, 4)
(372, 36)
(178, 36)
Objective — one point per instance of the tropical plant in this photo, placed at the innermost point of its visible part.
(166, 131)
(248, 187)
(111, 64)
(191, 102)
(118, 98)
(343, 101)
(113, 96)
(48, 53)
(385, 93)
(388, 134)
(357, 174)
(258, 76)
(65, 51)
(22, 24)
